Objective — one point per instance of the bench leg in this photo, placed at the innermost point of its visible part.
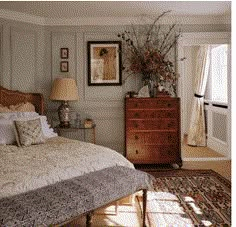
(89, 219)
(144, 206)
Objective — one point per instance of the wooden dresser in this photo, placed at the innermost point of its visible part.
(153, 130)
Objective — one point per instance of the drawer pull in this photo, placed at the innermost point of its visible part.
(136, 114)
(169, 105)
(136, 151)
(135, 125)
(136, 137)
(136, 105)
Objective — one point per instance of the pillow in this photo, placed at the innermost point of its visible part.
(47, 130)
(7, 134)
(8, 116)
(15, 115)
(4, 109)
(29, 132)
(23, 107)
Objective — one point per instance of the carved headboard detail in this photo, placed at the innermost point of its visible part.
(13, 97)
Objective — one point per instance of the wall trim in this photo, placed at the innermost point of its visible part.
(206, 159)
(11, 15)
(16, 30)
(1, 55)
(219, 146)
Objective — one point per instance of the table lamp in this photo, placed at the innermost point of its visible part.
(64, 89)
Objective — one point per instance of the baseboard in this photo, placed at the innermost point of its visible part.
(207, 159)
(218, 146)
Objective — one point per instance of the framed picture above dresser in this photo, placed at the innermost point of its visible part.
(152, 129)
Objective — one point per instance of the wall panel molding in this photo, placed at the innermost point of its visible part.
(60, 40)
(23, 63)
(1, 55)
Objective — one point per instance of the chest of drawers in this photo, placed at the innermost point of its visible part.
(152, 128)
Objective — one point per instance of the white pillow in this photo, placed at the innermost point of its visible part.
(7, 134)
(14, 115)
(47, 131)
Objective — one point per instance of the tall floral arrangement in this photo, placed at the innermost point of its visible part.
(146, 50)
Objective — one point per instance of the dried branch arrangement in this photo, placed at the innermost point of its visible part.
(146, 51)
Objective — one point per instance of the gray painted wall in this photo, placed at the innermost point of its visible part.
(30, 60)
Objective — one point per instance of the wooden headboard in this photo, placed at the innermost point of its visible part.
(11, 97)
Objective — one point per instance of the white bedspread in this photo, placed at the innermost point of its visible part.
(28, 168)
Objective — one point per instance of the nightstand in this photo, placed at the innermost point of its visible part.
(79, 133)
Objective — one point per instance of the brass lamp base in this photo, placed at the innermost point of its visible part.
(64, 114)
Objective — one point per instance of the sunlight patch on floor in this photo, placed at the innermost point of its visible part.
(165, 209)
(128, 215)
(191, 202)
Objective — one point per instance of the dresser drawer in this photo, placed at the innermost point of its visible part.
(143, 114)
(157, 124)
(151, 138)
(151, 103)
(151, 153)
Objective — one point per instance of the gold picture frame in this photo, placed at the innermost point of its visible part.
(104, 63)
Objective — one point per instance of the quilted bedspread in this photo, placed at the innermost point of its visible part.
(28, 168)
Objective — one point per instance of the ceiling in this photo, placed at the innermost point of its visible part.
(82, 9)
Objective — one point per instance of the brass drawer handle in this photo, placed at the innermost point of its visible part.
(136, 151)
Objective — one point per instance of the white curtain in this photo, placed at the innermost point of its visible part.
(196, 133)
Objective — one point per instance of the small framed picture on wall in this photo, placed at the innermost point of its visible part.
(64, 66)
(64, 53)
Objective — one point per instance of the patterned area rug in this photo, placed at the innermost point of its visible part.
(189, 198)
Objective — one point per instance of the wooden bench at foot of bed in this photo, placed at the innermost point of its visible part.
(61, 202)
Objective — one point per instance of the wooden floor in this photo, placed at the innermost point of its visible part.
(203, 156)
(130, 215)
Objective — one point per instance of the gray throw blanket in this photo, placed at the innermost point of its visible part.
(64, 200)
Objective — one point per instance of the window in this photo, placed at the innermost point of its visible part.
(217, 88)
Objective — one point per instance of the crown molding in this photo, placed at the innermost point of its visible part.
(22, 17)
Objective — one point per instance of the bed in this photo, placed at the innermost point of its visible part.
(33, 166)
(30, 167)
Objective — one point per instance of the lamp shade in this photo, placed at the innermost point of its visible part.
(64, 89)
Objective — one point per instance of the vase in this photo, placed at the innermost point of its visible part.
(150, 84)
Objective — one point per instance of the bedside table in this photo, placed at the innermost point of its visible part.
(79, 133)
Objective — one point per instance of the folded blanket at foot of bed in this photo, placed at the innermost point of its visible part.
(65, 200)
